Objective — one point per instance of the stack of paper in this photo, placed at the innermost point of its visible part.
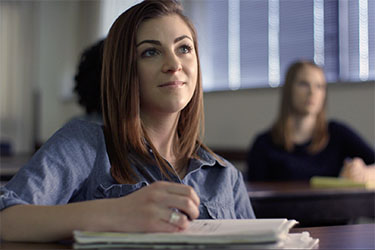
(259, 233)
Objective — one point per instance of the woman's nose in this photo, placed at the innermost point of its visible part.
(171, 63)
(310, 89)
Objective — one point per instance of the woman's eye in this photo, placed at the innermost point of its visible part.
(185, 49)
(303, 84)
(150, 53)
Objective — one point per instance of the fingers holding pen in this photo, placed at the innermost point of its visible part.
(159, 207)
(184, 190)
(178, 196)
(176, 203)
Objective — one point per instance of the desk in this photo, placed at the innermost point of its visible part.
(359, 236)
(334, 237)
(311, 206)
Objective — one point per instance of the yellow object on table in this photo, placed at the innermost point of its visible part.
(338, 182)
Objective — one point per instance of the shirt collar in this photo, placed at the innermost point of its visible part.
(207, 158)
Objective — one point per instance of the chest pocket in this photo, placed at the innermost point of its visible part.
(217, 210)
(117, 190)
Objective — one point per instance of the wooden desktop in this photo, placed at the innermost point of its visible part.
(311, 206)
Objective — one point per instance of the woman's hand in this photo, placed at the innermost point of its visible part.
(146, 210)
(355, 169)
(150, 209)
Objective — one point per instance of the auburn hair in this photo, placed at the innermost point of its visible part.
(281, 131)
(126, 139)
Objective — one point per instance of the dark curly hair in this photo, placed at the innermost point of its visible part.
(88, 77)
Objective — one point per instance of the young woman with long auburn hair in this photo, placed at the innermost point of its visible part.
(145, 169)
(302, 143)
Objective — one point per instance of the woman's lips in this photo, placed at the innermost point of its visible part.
(172, 84)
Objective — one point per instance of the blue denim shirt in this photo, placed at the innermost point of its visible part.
(73, 166)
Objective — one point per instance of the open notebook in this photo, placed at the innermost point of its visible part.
(269, 233)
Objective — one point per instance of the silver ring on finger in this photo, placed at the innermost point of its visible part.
(174, 218)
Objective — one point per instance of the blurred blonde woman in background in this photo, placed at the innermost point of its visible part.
(302, 143)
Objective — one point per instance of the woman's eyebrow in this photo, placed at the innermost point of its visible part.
(156, 42)
(181, 38)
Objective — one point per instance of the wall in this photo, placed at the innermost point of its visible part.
(40, 45)
(17, 74)
(233, 118)
(65, 29)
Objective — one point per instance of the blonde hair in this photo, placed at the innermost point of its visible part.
(282, 129)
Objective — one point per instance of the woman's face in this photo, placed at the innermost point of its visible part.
(167, 65)
(308, 91)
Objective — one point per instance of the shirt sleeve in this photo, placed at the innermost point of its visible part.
(352, 144)
(242, 204)
(56, 172)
